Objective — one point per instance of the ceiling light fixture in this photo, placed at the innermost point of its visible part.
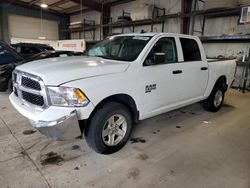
(43, 5)
(41, 38)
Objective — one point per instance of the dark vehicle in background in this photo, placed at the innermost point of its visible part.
(9, 59)
(28, 50)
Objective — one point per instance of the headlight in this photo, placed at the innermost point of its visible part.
(67, 96)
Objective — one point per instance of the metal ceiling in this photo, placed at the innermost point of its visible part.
(67, 7)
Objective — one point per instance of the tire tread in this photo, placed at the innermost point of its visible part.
(92, 133)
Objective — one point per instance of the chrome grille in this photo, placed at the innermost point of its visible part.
(14, 77)
(30, 83)
(30, 89)
(33, 98)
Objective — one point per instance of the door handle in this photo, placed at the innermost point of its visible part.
(204, 68)
(177, 71)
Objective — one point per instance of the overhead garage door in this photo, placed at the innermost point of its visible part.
(31, 28)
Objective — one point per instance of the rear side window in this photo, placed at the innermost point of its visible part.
(25, 50)
(30, 50)
(35, 50)
(191, 50)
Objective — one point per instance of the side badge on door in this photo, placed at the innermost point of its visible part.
(150, 87)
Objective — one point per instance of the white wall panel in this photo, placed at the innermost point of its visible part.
(30, 28)
(226, 49)
(226, 25)
(93, 15)
(172, 6)
(171, 25)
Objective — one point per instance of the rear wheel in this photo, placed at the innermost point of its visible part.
(215, 100)
(109, 128)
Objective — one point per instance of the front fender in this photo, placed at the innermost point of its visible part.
(99, 88)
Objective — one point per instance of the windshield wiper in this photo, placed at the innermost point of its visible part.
(109, 57)
(105, 57)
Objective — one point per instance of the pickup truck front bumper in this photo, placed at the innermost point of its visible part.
(57, 123)
(64, 128)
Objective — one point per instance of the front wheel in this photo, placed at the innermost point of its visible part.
(215, 100)
(109, 128)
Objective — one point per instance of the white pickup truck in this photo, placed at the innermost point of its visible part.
(121, 80)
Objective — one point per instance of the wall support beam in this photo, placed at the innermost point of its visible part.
(105, 19)
(186, 8)
(4, 23)
(1, 25)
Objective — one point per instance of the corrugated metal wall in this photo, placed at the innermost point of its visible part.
(171, 25)
(213, 27)
(93, 15)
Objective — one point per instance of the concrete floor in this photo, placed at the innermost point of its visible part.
(187, 148)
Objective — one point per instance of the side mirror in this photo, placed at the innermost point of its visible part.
(156, 58)
(159, 57)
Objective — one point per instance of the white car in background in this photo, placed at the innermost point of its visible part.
(121, 80)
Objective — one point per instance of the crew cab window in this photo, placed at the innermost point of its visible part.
(164, 47)
(191, 50)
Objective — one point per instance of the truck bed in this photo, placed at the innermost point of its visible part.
(217, 68)
(217, 60)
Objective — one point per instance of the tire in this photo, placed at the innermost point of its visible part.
(9, 86)
(101, 131)
(215, 100)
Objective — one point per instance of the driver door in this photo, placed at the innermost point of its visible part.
(162, 77)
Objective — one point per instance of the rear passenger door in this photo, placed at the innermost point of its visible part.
(194, 69)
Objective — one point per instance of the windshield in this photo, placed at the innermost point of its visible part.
(124, 48)
(48, 48)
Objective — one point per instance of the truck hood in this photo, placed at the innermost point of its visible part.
(56, 71)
